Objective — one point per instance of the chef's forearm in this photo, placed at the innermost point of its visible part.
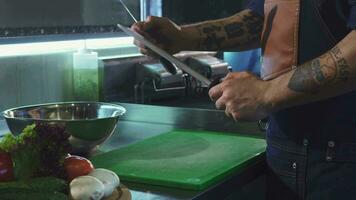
(330, 75)
(239, 32)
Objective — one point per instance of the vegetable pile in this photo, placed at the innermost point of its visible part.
(37, 165)
(39, 151)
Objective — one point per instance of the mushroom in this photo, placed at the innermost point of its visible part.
(110, 180)
(86, 188)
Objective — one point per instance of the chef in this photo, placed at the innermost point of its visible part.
(306, 89)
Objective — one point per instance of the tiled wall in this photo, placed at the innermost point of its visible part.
(35, 79)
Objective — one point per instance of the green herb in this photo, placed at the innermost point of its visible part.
(8, 143)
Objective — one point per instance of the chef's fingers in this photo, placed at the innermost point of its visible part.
(139, 44)
(236, 116)
(143, 49)
(220, 104)
(148, 52)
(215, 92)
(227, 112)
(140, 28)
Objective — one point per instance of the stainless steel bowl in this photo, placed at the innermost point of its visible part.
(88, 123)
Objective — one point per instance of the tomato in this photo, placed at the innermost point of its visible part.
(6, 167)
(77, 166)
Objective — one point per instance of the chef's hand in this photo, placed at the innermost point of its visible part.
(243, 96)
(162, 32)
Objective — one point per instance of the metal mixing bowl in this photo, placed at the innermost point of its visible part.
(88, 123)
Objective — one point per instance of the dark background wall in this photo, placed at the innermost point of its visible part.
(56, 13)
(33, 13)
(52, 13)
(190, 11)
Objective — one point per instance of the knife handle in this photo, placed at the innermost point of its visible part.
(170, 67)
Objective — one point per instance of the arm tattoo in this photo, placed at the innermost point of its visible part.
(235, 30)
(212, 38)
(246, 29)
(312, 76)
(254, 25)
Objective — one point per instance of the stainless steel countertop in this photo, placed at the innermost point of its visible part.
(143, 121)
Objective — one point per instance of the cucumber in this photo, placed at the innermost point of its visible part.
(49, 184)
(34, 196)
(45, 184)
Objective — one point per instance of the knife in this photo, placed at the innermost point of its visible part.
(170, 67)
(204, 80)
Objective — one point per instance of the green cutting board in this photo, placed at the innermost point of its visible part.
(183, 159)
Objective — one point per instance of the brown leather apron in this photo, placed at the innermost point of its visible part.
(280, 37)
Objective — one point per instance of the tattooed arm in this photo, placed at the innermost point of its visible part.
(241, 31)
(331, 74)
(246, 97)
